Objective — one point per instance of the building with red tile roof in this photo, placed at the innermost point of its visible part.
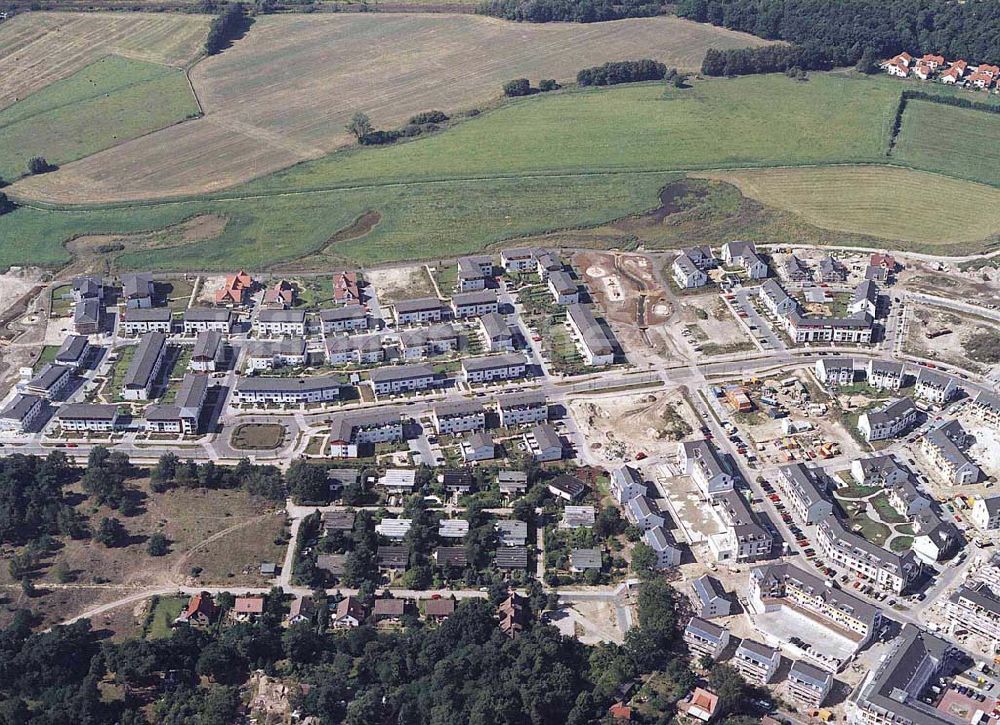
(346, 290)
(235, 290)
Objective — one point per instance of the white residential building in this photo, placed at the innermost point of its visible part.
(87, 417)
(281, 323)
(890, 571)
(261, 390)
(348, 318)
(756, 662)
(701, 461)
(401, 379)
(199, 319)
(474, 304)
(271, 354)
(139, 321)
(935, 387)
(351, 430)
(705, 639)
(686, 273)
(888, 421)
(495, 367)
(424, 309)
(563, 288)
(985, 514)
(885, 375)
(458, 417)
(595, 344)
(144, 368)
(522, 409)
(837, 371)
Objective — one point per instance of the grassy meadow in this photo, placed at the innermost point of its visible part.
(957, 141)
(111, 101)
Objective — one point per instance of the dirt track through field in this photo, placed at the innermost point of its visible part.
(284, 93)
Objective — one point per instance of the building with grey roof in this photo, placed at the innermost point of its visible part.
(705, 639)
(395, 379)
(831, 270)
(497, 332)
(544, 443)
(271, 354)
(145, 366)
(50, 381)
(936, 539)
(935, 387)
(209, 352)
(626, 484)
(348, 318)
(596, 345)
(73, 351)
(200, 319)
(582, 560)
(563, 288)
(87, 417)
(756, 662)
(745, 539)
(512, 532)
(512, 483)
(87, 287)
(266, 390)
(184, 414)
(975, 607)
(474, 304)
(459, 416)
(478, 446)
(354, 350)
(700, 460)
(577, 517)
(986, 406)
(522, 408)
(277, 323)
(891, 692)
(796, 270)
(88, 316)
(864, 299)
(835, 370)
(945, 445)
(686, 272)
(473, 272)
(547, 262)
(986, 513)
(350, 430)
(663, 544)
(422, 342)
(806, 490)
(885, 374)
(809, 684)
(21, 413)
(518, 259)
(137, 289)
(141, 320)
(710, 599)
(888, 570)
(888, 421)
(643, 513)
(424, 309)
(511, 558)
(566, 487)
(494, 367)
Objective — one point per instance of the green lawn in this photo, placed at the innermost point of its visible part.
(62, 300)
(956, 141)
(108, 102)
(48, 355)
(166, 611)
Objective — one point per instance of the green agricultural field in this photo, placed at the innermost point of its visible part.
(109, 102)
(957, 141)
(718, 123)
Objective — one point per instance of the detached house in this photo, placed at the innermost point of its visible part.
(199, 612)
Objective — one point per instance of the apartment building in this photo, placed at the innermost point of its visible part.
(854, 329)
(883, 472)
(885, 375)
(147, 319)
(809, 684)
(424, 309)
(546, 263)
(891, 693)
(137, 290)
(773, 586)
(87, 417)
(888, 421)
(700, 460)
(271, 354)
(354, 350)
(73, 351)
(473, 273)
(807, 491)
(522, 409)
(890, 571)
(458, 417)
(756, 662)
(744, 254)
(563, 288)
(21, 413)
(50, 381)
(945, 446)
(209, 352)
(496, 332)
(864, 299)
(687, 274)
(975, 607)
(144, 369)
(835, 370)
(710, 598)
(987, 407)
(518, 260)
(795, 270)
(775, 299)
(402, 378)
(495, 367)
(626, 484)
(349, 318)
(643, 513)
(705, 639)
(183, 415)
(474, 304)
(595, 344)
(986, 513)
(934, 387)
(87, 287)
(668, 554)
(200, 319)
(424, 342)
(262, 390)
(744, 539)
(281, 323)
(544, 443)
(351, 430)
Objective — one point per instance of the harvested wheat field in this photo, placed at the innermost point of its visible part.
(931, 211)
(37, 49)
(284, 93)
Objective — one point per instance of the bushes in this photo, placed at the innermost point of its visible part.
(626, 71)
(38, 165)
(227, 27)
(574, 11)
(428, 117)
(517, 87)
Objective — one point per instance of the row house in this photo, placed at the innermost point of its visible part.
(50, 381)
(494, 367)
(264, 390)
(705, 639)
(474, 304)
(458, 417)
(626, 484)
(687, 274)
(884, 374)
(700, 460)
(643, 513)
(350, 430)
(522, 409)
(855, 329)
(424, 342)
(597, 347)
(945, 446)
(888, 421)
(890, 571)
(544, 443)
(546, 263)
(209, 352)
(354, 350)
(402, 379)
(281, 323)
(73, 351)
(935, 387)
(496, 332)
(773, 586)
(775, 299)
(183, 415)
(757, 662)
(745, 539)
(795, 270)
(147, 319)
(511, 532)
(349, 318)
(744, 254)
(398, 481)
(272, 354)
(563, 288)
(473, 273)
(87, 417)
(835, 371)
(21, 413)
(200, 319)
(986, 406)
(418, 311)
(566, 487)
(518, 260)
(145, 366)
(807, 491)
(512, 483)
(664, 546)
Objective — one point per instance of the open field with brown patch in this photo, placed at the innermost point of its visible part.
(37, 49)
(284, 92)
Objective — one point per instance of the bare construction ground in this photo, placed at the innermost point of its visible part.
(401, 283)
(284, 93)
(37, 49)
(957, 338)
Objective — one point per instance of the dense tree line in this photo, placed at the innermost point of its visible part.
(767, 59)
(257, 480)
(839, 33)
(32, 499)
(574, 11)
(625, 71)
(228, 26)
